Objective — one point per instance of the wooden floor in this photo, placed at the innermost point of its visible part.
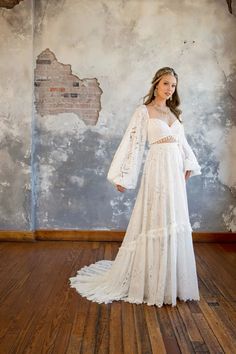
(40, 313)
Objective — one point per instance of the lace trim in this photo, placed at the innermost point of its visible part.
(166, 139)
(160, 304)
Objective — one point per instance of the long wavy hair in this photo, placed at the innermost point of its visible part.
(172, 104)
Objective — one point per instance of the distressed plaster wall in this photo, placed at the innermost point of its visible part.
(122, 44)
(16, 116)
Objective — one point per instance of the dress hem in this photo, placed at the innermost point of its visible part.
(133, 301)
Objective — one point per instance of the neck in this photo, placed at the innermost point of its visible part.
(161, 102)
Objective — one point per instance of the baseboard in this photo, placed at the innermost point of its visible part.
(115, 235)
(17, 235)
(220, 237)
(99, 235)
(80, 235)
(118, 235)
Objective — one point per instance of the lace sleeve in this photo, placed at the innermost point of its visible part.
(190, 160)
(125, 166)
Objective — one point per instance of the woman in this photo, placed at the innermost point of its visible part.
(155, 263)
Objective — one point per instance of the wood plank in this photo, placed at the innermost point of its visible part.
(115, 329)
(227, 342)
(219, 306)
(102, 331)
(157, 343)
(183, 340)
(191, 327)
(128, 327)
(62, 339)
(167, 331)
(206, 283)
(90, 328)
(77, 332)
(211, 280)
(108, 251)
(115, 249)
(141, 330)
(229, 261)
(77, 342)
(207, 334)
(192, 330)
(217, 272)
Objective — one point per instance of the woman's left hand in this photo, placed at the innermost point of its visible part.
(187, 175)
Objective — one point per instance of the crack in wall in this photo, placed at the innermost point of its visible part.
(224, 74)
(229, 3)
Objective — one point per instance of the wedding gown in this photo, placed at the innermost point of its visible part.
(155, 263)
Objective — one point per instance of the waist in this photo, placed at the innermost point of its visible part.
(165, 150)
(164, 140)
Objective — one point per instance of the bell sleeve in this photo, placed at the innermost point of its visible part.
(190, 160)
(126, 163)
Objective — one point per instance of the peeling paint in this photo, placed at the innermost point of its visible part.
(9, 4)
(227, 156)
(229, 217)
(77, 180)
(46, 178)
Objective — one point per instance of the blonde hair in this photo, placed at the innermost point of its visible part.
(172, 104)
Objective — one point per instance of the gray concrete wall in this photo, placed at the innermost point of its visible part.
(16, 91)
(118, 45)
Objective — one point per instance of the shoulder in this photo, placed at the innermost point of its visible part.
(139, 116)
(141, 110)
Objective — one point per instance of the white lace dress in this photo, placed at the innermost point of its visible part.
(155, 263)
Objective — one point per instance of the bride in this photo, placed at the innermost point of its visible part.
(155, 263)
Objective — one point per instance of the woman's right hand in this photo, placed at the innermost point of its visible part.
(187, 175)
(120, 188)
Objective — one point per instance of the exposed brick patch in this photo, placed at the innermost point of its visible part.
(57, 90)
(9, 4)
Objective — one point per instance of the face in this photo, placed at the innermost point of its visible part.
(166, 86)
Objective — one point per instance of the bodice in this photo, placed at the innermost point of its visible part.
(158, 129)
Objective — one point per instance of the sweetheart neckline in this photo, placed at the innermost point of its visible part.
(170, 126)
